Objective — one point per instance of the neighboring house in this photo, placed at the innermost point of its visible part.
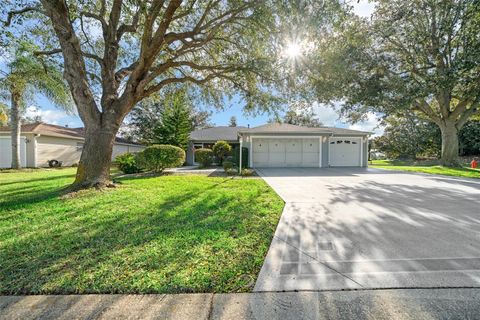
(286, 145)
(41, 142)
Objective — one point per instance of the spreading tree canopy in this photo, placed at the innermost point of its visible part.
(419, 56)
(117, 53)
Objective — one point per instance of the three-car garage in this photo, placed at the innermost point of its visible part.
(286, 146)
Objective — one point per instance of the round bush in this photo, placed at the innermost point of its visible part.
(221, 149)
(227, 165)
(157, 158)
(231, 172)
(204, 156)
(127, 163)
(247, 172)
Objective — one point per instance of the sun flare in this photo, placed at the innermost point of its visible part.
(293, 50)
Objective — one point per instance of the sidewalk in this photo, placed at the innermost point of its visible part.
(367, 304)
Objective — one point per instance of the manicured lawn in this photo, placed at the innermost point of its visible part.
(432, 169)
(158, 234)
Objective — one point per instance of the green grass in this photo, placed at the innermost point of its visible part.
(164, 234)
(465, 172)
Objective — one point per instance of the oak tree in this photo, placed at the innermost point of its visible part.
(117, 53)
(419, 56)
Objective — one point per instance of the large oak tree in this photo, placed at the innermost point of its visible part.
(419, 56)
(116, 53)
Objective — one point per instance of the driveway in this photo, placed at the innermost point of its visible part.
(368, 228)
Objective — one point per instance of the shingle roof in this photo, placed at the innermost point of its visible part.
(57, 131)
(290, 128)
(216, 133)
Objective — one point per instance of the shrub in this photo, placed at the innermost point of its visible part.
(159, 157)
(221, 149)
(236, 157)
(227, 165)
(231, 172)
(204, 156)
(247, 172)
(127, 163)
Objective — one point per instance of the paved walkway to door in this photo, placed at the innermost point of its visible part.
(368, 228)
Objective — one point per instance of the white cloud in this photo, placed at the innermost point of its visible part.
(52, 116)
(330, 117)
(371, 123)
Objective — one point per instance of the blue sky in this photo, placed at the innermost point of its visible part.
(327, 115)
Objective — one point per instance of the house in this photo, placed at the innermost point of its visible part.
(286, 145)
(206, 138)
(41, 142)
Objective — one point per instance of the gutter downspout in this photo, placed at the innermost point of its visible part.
(240, 160)
(34, 142)
(328, 149)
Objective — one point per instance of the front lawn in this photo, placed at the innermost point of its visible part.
(465, 172)
(164, 234)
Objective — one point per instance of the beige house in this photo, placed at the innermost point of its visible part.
(41, 142)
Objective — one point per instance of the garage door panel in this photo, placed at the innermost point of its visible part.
(260, 145)
(276, 146)
(345, 152)
(260, 157)
(310, 159)
(293, 159)
(293, 145)
(310, 145)
(276, 158)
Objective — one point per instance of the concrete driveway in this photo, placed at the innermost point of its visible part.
(367, 228)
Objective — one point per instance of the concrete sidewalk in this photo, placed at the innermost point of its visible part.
(366, 304)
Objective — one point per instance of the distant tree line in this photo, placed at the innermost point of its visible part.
(410, 137)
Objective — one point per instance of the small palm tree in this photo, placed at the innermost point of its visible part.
(26, 76)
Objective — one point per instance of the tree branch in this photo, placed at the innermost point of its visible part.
(424, 107)
(13, 13)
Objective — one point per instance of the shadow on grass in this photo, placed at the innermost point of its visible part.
(50, 178)
(189, 242)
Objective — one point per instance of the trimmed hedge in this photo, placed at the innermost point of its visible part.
(157, 158)
(236, 157)
(204, 156)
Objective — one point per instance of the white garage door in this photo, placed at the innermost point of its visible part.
(6, 152)
(285, 152)
(345, 152)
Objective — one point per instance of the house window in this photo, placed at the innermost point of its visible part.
(79, 146)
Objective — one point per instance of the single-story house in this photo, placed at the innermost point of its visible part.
(206, 138)
(286, 145)
(41, 142)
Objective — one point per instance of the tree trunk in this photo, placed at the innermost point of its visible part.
(15, 126)
(449, 144)
(94, 166)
